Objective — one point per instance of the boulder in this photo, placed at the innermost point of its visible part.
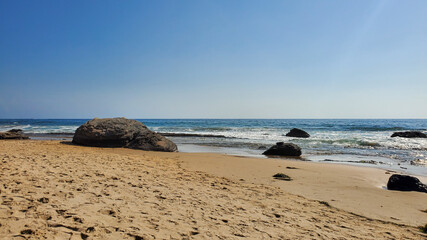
(409, 134)
(284, 149)
(13, 134)
(405, 183)
(121, 132)
(295, 132)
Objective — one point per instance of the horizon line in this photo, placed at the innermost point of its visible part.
(219, 118)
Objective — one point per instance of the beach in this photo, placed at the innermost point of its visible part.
(56, 190)
(213, 120)
(362, 142)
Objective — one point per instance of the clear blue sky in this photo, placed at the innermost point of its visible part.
(213, 59)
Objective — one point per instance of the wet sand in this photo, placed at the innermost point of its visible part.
(51, 190)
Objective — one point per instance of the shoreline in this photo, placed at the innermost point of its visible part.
(346, 159)
(342, 159)
(64, 190)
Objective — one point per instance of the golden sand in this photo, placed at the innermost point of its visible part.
(50, 190)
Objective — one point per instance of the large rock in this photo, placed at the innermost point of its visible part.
(121, 132)
(295, 132)
(409, 134)
(284, 149)
(405, 183)
(13, 134)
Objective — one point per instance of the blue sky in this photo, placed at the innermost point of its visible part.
(213, 59)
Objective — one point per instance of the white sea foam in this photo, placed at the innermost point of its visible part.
(52, 129)
(9, 127)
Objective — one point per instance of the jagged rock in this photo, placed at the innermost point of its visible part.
(405, 183)
(409, 134)
(121, 132)
(13, 134)
(284, 149)
(295, 132)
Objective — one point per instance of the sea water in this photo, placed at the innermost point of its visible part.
(364, 142)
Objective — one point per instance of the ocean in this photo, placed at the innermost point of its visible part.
(364, 142)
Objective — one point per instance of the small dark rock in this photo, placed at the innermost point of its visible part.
(282, 176)
(284, 149)
(409, 134)
(27, 231)
(44, 200)
(295, 132)
(13, 134)
(291, 168)
(405, 183)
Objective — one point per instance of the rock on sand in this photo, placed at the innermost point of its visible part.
(405, 183)
(121, 132)
(284, 149)
(13, 134)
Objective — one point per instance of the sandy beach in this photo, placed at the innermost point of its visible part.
(53, 190)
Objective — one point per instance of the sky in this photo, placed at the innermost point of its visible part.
(213, 59)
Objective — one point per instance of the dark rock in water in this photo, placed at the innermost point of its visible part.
(121, 132)
(409, 134)
(295, 132)
(13, 134)
(405, 183)
(284, 149)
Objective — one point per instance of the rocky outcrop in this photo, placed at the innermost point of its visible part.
(295, 132)
(121, 132)
(284, 149)
(405, 183)
(13, 134)
(409, 134)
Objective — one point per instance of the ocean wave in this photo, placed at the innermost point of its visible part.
(214, 129)
(190, 135)
(366, 143)
(369, 144)
(9, 127)
(375, 128)
(52, 134)
(347, 142)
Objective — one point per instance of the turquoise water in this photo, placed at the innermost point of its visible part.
(338, 140)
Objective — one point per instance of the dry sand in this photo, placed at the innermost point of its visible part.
(50, 190)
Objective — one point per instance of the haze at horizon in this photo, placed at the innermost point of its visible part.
(213, 59)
